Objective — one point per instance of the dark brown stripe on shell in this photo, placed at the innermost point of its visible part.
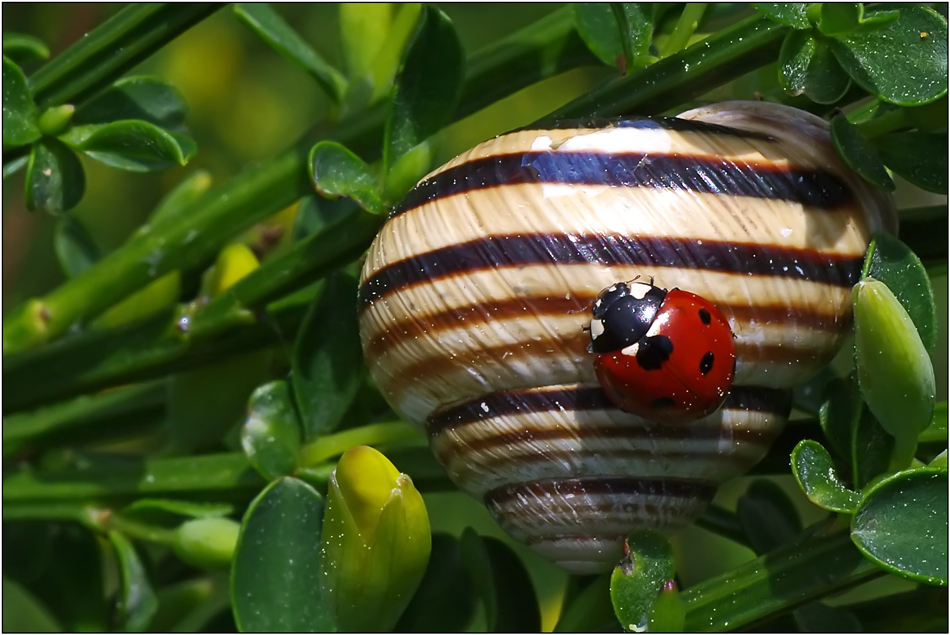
(417, 325)
(699, 174)
(521, 250)
(509, 403)
(618, 485)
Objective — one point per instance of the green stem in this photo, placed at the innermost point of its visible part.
(109, 521)
(85, 417)
(820, 564)
(718, 59)
(621, 18)
(116, 46)
(685, 27)
(213, 477)
(373, 434)
(891, 121)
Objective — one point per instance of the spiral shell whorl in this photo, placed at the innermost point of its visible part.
(475, 293)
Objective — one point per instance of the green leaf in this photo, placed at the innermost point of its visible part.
(271, 28)
(840, 18)
(141, 98)
(815, 473)
(137, 601)
(637, 581)
(23, 613)
(903, 62)
(75, 248)
(893, 263)
(271, 435)
(919, 157)
(24, 47)
(902, 525)
(839, 412)
(335, 171)
(328, 366)
(502, 583)
(133, 145)
(276, 580)
(55, 181)
(808, 67)
(19, 112)
(930, 117)
(404, 24)
(591, 610)
(189, 190)
(894, 370)
(598, 26)
(427, 87)
(169, 513)
(859, 154)
(767, 516)
(788, 13)
(445, 600)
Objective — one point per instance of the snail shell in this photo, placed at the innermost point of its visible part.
(474, 295)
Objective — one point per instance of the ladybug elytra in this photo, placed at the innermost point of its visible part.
(663, 355)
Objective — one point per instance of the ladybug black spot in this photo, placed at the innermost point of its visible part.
(706, 363)
(654, 351)
(704, 316)
(662, 402)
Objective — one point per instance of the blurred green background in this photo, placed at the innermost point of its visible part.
(247, 104)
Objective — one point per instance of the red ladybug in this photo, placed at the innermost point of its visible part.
(663, 355)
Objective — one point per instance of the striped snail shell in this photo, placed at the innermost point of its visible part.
(474, 296)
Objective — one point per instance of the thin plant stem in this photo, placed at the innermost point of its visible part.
(685, 27)
(333, 445)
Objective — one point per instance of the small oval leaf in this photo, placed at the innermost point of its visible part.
(336, 171)
(19, 112)
(328, 366)
(55, 181)
(147, 99)
(636, 582)
(427, 87)
(808, 67)
(133, 145)
(815, 473)
(271, 435)
(767, 516)
(788, 13)
(919, 157)
(276, 580)
(894, 370)
(903, 62)
(902, 525)
(445, 600)
(859, 154)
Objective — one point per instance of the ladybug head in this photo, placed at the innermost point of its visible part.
(622, 314)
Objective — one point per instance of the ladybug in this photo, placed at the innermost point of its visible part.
(662, 355)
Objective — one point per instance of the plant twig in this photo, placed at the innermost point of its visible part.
(685, 27)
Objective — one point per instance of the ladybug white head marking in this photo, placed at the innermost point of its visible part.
(596, 328)
(639, 290)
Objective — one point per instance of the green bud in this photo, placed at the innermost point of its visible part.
(55, 120)
(895, 373)
(376, 541)
(234, 262)
(668, 614)
(207, 543)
